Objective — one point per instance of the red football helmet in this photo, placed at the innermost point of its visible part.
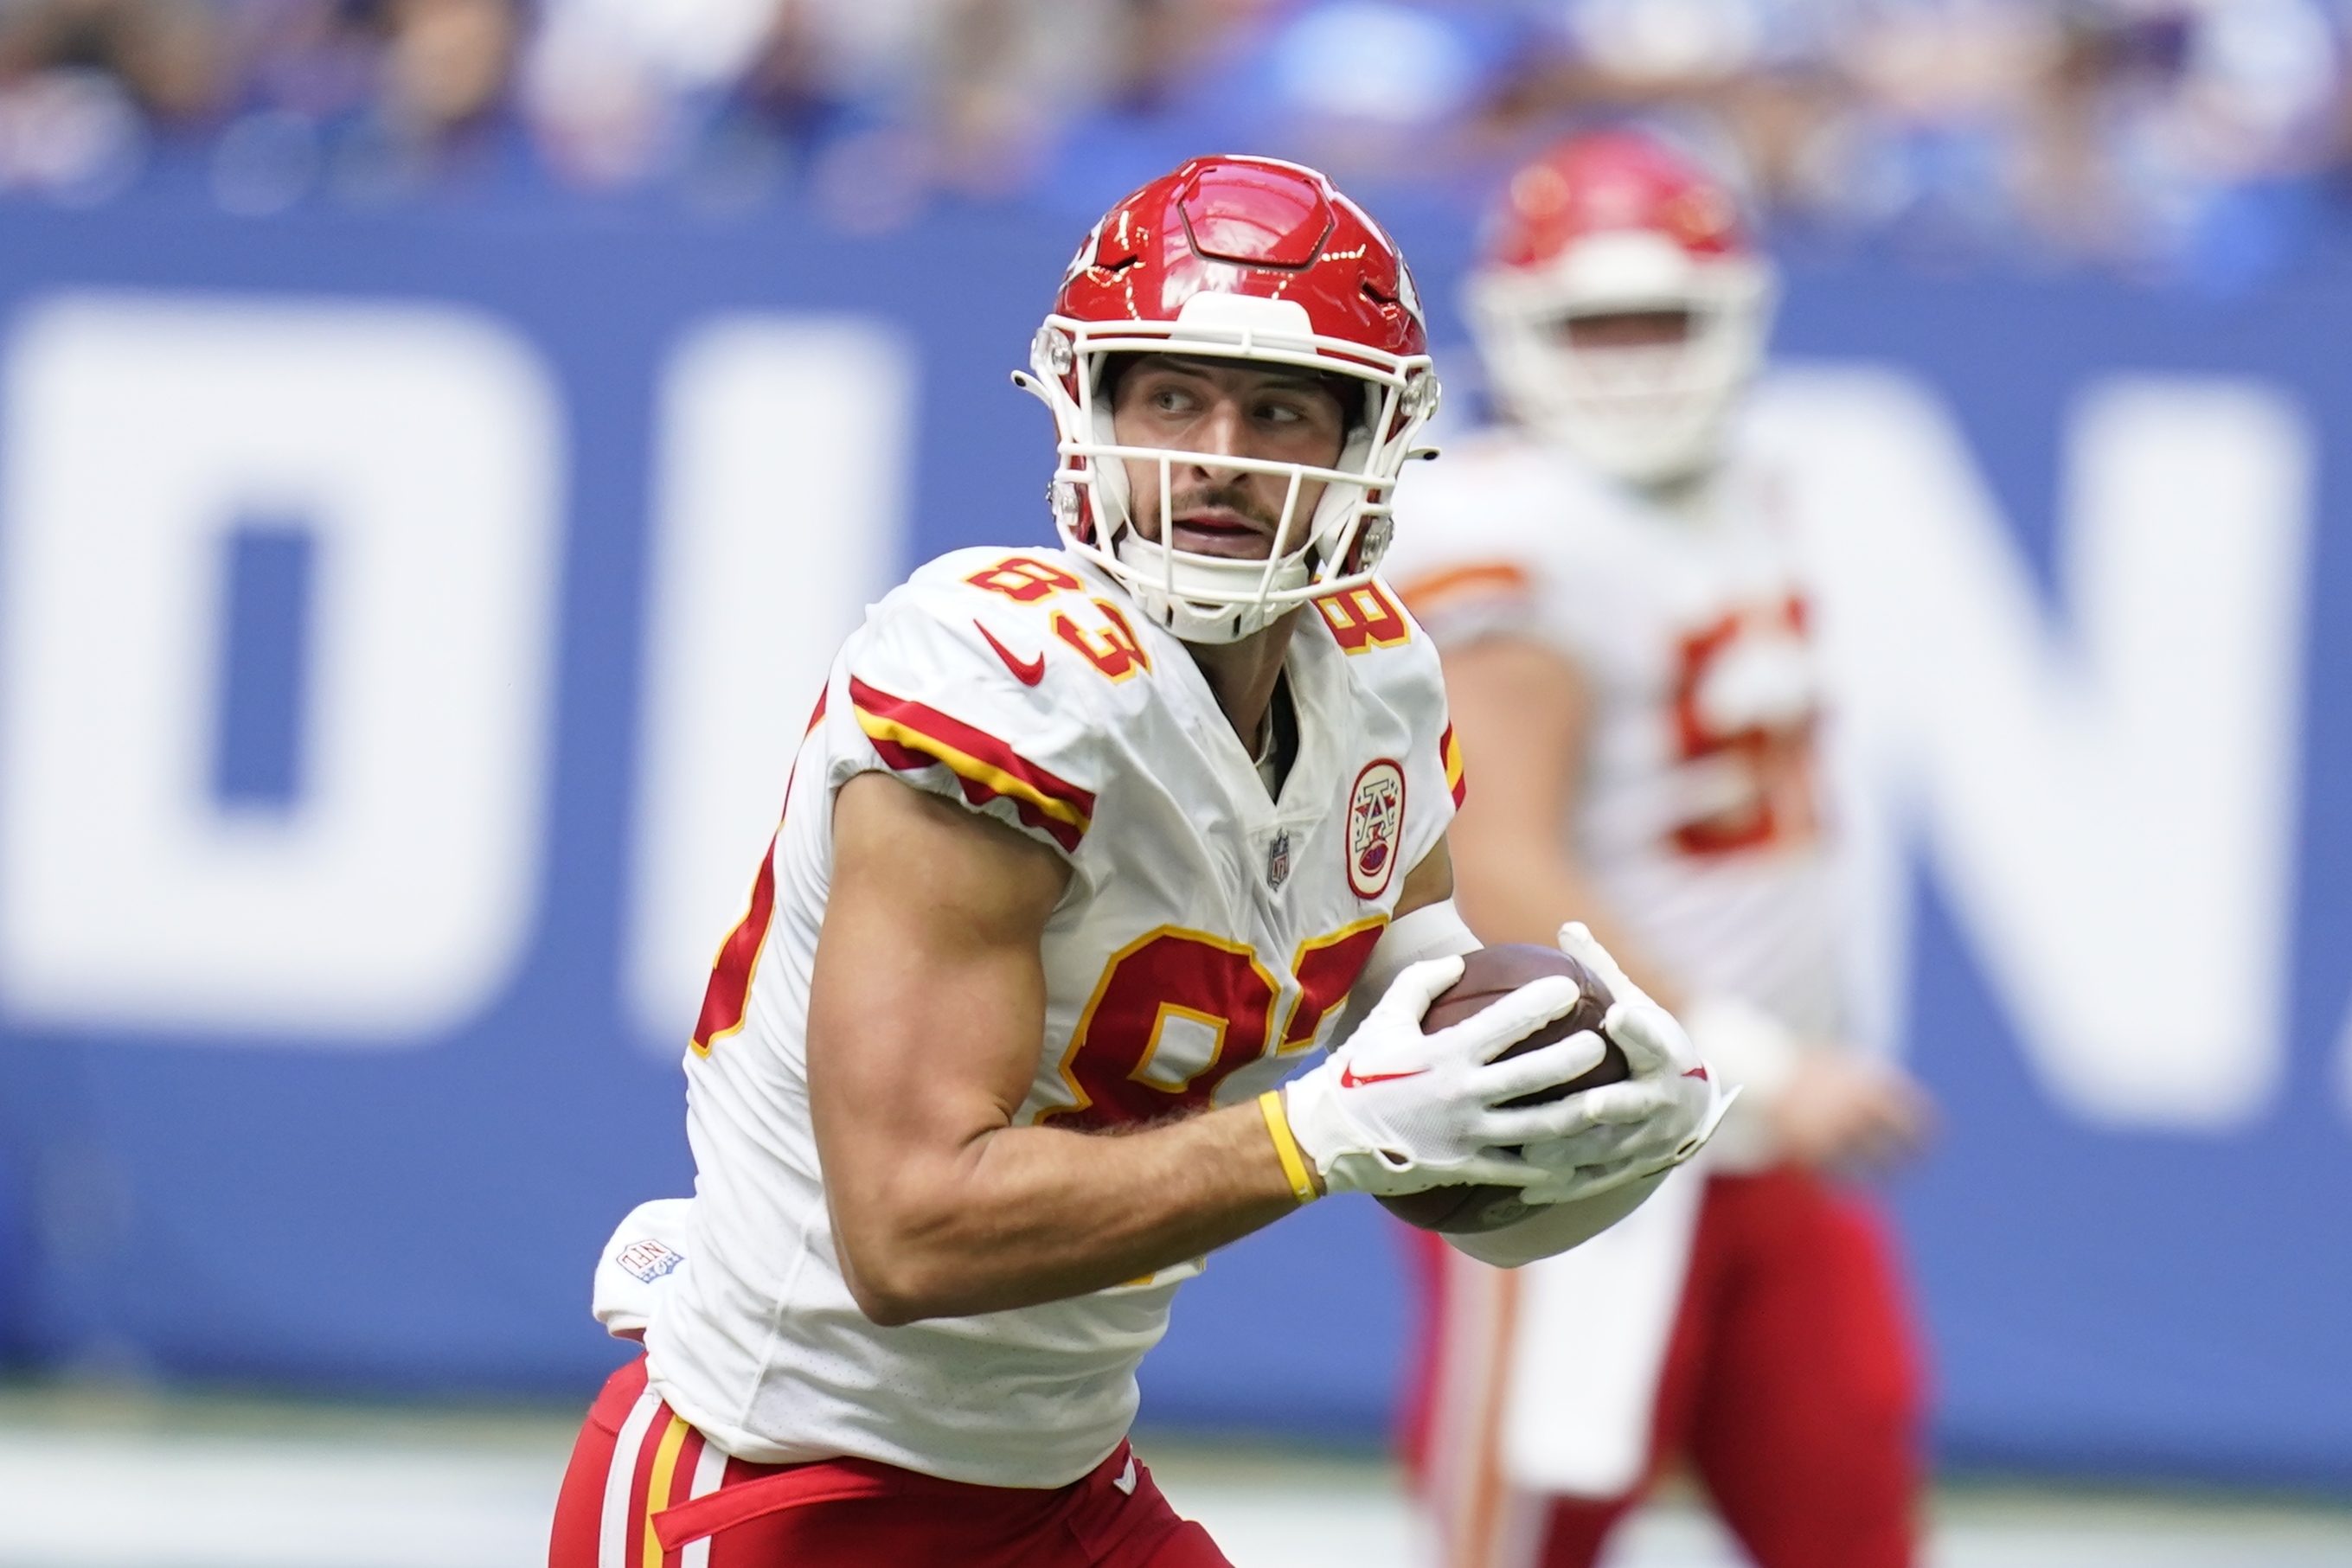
(1611, 223)
(1245, 258)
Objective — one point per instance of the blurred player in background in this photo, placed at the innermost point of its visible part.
(1624, 630)
(1082, 842)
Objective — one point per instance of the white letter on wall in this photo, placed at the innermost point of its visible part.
(2110, 801)
(421, 451)
(778, 515)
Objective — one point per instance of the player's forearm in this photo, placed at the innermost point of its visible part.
(1523, 712)
(1508, 895)
(1018, 1215)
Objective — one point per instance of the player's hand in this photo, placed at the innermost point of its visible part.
(1661, 1115)
(1394, 1110)
(1849, 1116)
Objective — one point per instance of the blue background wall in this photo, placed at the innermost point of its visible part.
(424, 1219)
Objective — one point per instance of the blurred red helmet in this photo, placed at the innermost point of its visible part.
(1607, 183)
(1618, 223)
(1237, 258)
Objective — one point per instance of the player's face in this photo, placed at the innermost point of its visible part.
(1626, 329)
(1210, 408)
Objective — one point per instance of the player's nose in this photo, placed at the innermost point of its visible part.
(1221, 431)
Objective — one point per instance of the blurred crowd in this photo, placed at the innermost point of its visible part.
(2195, 138)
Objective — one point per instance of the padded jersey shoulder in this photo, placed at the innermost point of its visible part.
(1387, 651)
(1008, 677)
(1500, 497)
(1505, 535)
(1034, 626)
(1389, 663)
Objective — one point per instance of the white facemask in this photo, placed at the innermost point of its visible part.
(1645, 415)
(1213, 599)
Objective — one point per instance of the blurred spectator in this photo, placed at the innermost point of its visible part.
(378, 97)
(168, 56)
(445, 61)
(2170, 138)
(308, 63)
(2125, 130)
(613, 87)
(83, 82)
(441, 87)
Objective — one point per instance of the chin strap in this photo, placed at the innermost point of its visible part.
(1205, 621)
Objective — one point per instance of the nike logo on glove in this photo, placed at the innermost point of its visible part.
(1349, 1079)
(1028, 674)
(1699, 1072)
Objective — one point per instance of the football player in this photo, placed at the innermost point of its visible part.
(1084, 851)
(1625, 637)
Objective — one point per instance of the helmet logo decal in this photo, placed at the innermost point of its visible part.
(1086, 255)
(1699, 215)
(1540, 192)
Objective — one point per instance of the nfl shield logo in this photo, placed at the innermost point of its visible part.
(1277, 861)
(648, 1260)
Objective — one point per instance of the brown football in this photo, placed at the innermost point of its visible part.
(1486, 975)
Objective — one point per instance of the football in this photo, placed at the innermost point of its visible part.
(1488, 974)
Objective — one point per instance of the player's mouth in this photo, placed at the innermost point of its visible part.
(1223, 531)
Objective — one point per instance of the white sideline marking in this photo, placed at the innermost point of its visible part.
(103, 1499)
(117, 1501)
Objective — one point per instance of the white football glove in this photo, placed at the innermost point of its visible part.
(1392, 1110)
(1659, 1116)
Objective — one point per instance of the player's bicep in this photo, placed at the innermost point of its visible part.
(1520, 712)
(927, 1003)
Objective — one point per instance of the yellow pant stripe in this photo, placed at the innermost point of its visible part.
(672, 1438)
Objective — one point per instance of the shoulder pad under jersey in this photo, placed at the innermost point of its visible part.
(999, 677)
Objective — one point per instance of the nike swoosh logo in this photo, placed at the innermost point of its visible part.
(1028, 674)
(1698, 1072)
(1349, 1079)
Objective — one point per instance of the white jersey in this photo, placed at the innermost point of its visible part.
(1207, 939)
(1698, 814)
(1697, 821)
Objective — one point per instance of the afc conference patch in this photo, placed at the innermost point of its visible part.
(1375, 828)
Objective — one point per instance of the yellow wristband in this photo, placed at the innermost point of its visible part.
(1285, 1147)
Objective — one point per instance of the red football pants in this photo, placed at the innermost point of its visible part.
(1791, 1384)
(645, 1491)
